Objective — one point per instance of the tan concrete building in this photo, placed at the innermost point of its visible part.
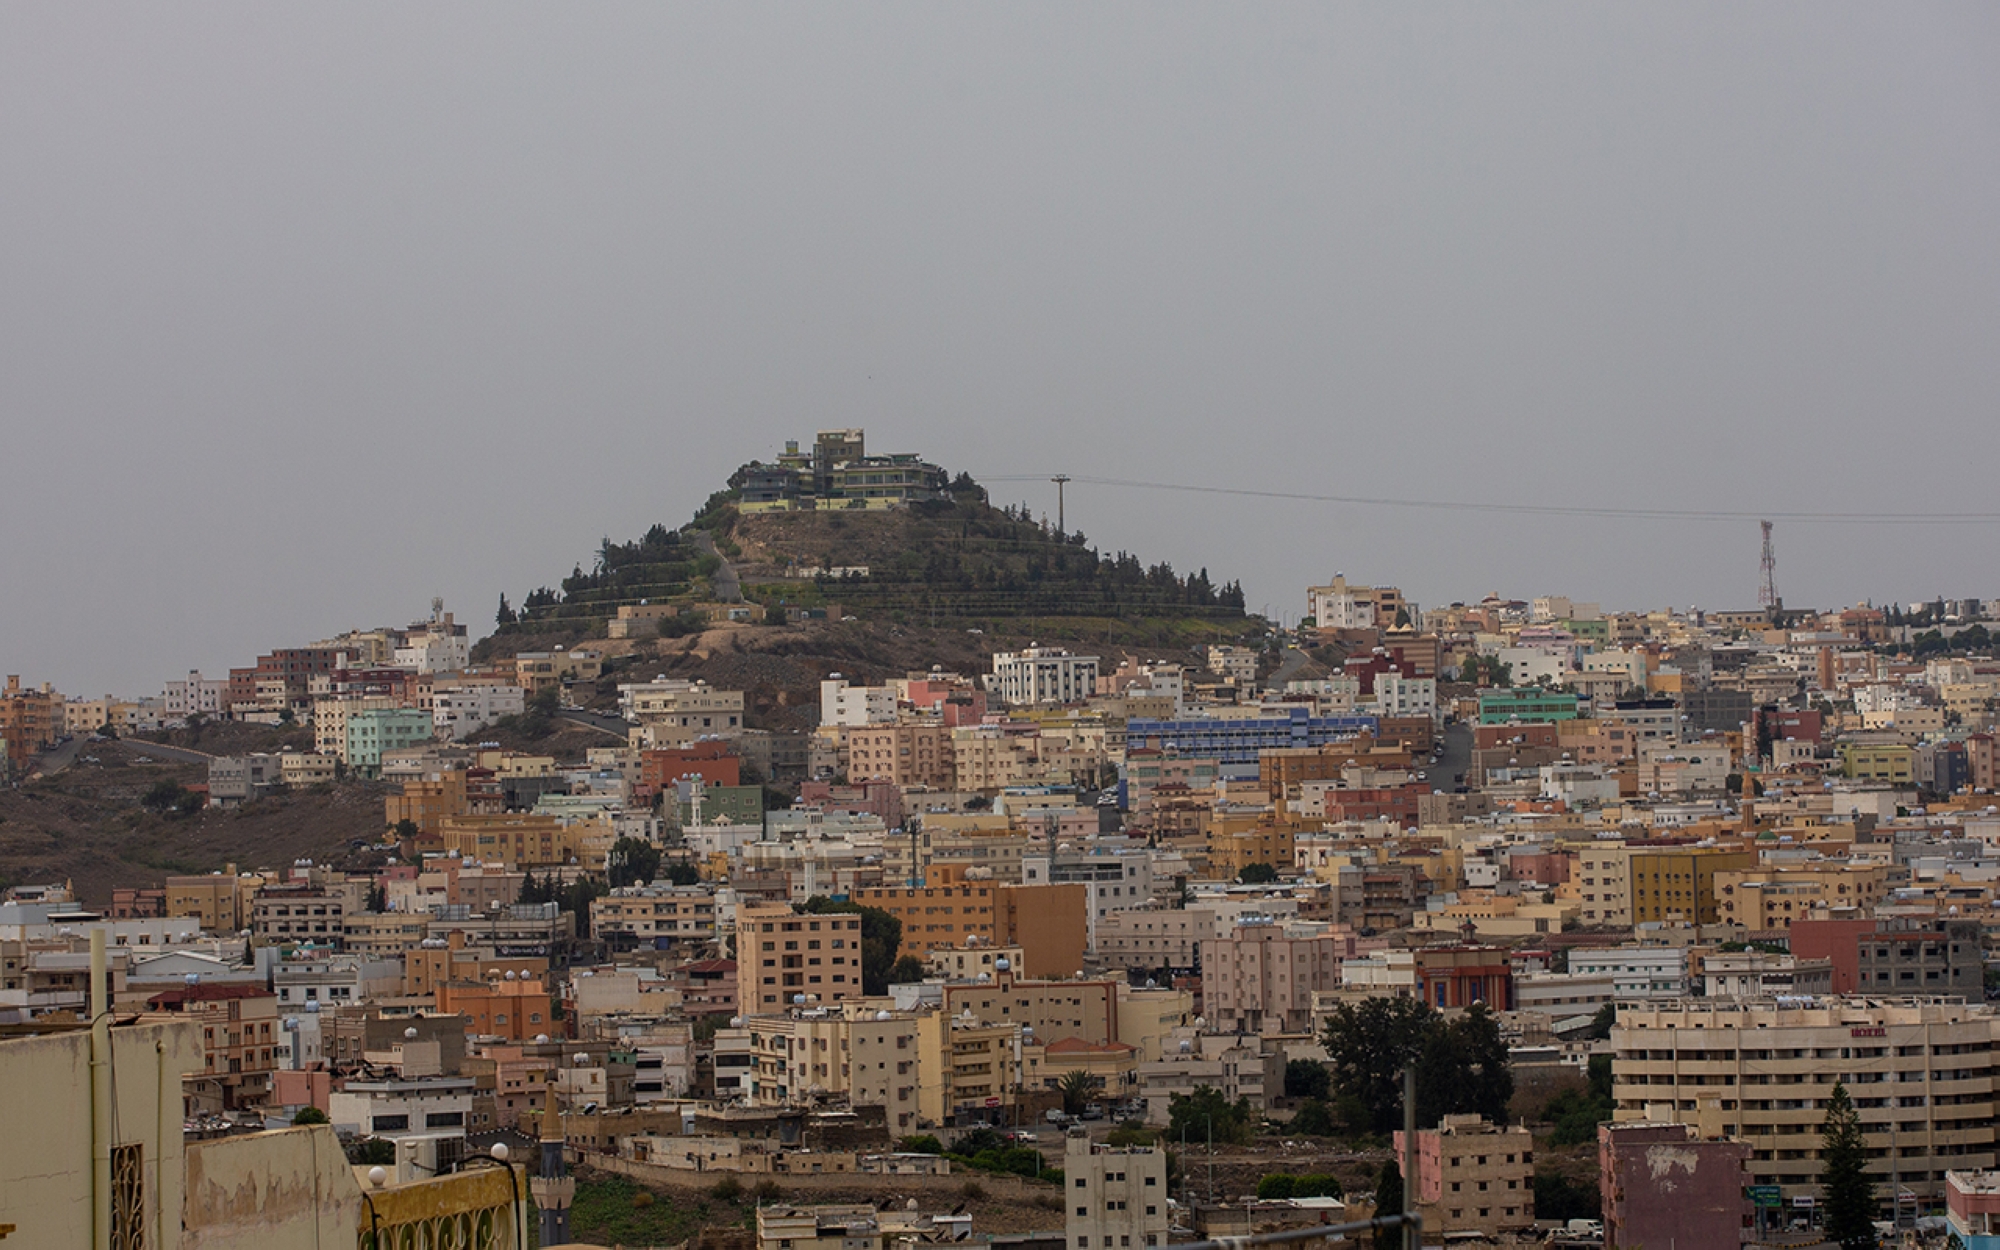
(1474, 1177)
(1771, 898)
(1678, 882)
(1920, 1072)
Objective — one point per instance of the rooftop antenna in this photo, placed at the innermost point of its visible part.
(1767, 583)
(1059, 479)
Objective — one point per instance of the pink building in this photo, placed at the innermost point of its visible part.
(1972, 1208)
(1665, 1186)
(1260, 980)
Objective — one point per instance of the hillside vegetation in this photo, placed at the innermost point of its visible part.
(953, 560)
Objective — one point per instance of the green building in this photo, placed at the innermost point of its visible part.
(1527, 704)
(371, 733)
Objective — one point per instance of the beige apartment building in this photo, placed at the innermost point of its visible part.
(1053, 1009)
(843, 1053)
(1920, 1072)
(330, 717)
(220, 901)
(782, 955)
(906, 755)
(969, 1070)
(652, 915)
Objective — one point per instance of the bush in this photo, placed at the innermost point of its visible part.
(972, 1190)
(924, 1144)
(1277, 1185)
(641, 1200)
(767, 1191)
(1318, 1185)
(310, 1115)
(728, 1189)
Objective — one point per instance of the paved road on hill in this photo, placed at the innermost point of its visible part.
(179, 755)
(617, 725)
(727, 588)
(62, 757)
(1289, 667)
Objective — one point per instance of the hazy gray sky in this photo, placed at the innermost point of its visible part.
(309, 312)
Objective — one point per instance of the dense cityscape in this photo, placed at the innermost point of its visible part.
(863, 865)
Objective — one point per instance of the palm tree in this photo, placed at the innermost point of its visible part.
(1076, 1087)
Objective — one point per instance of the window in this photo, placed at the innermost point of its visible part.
(128, 1198)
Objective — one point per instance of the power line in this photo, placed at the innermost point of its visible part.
(1830, 516)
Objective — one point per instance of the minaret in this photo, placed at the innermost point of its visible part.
(553, 1186)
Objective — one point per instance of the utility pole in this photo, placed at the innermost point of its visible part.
(1059, 479)
(1410, 1241)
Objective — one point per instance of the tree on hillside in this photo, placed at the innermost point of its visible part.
(1461, 1063)
(505, 616)
(1193, 1116)
(1846, 1193)
(1257, 874)
(631, 861)
(1389, 1201)
(1306, 1078)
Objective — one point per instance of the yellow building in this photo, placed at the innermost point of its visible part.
(1890, 763)
(1237, 840)
(220, 901)
(1767, 898)
(1679, 882)
(512, 840)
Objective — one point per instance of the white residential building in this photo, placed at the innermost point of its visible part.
(841, 703)
(1397, 695)
(1636, 972)
(1042, 675)
(461, 710)
(197, 696)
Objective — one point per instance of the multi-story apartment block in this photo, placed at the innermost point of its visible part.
(237, 779)
(658, 917)
(1919, 1071)
(377, 731)
(1042, 675)
(1340, 605)
(970, 1071)
(867, 1058)
(30, 720)
(784, 956)
(300, 769)
(1678, 883)
(1261, 978)
(536, 671)
(1112, 883)
(684, 710)
(457, 711)
(1055, 1010)
(197, 696)
(1635, 972)
(330, 717)
(239, 1037)
(297, 913)
(845, 704)
(1234, 664)
(1046, 921)
(1771, 898)
(1114, 1198)
(1150, 938)
(1474, 1177)
(904, 755)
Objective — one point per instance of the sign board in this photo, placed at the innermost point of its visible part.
(1803, 1200)
(992, 1102)
(1766, 1196)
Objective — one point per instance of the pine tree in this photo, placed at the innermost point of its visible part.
(1846, 1192)
(1389, 1201)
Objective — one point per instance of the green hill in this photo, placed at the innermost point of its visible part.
(952, 560)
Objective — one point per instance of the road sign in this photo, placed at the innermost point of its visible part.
(1766, 1196)
(992, 1102)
